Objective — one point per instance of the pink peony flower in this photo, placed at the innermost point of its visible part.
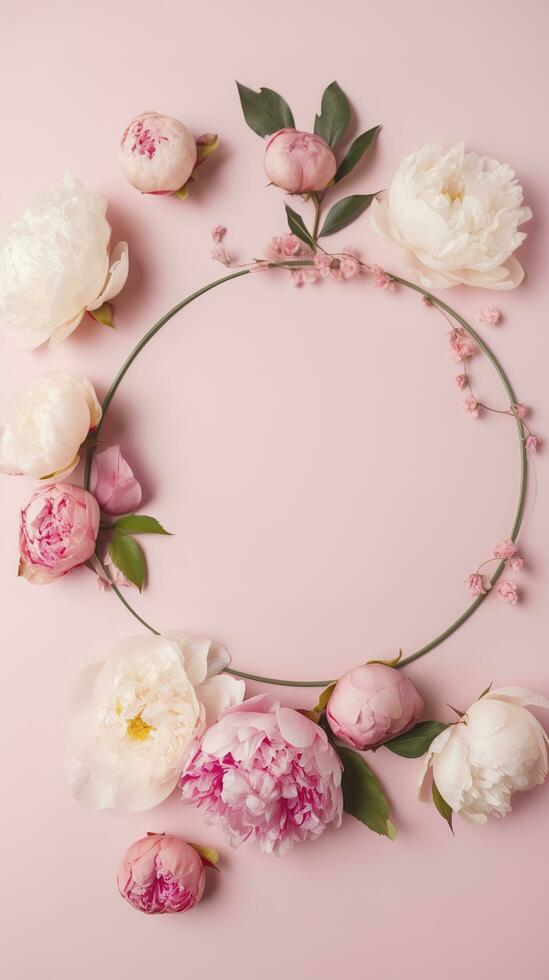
(532, 444)
(475, 583)
(516, 563)
(299, 162)
(461, 344)
(461, 380)
(504, 549)
(371, 704)
(58, 529)
(472, 406)
(507, 591)
(489, 314)
(157, 153)
(161, 874)
(521, 410)
(265, 773)
(113, 484)
(218, 232)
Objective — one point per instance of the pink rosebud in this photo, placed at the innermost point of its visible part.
(508, 592)
(161, 874)
(521, 410)
(218, 232)
(461, 344)
(113, 484)
(475, 583)
(504, 549)
(265, 773)
(489, 314)
(349, 264)
(461, 380)
(299, 162)
(157, 153)
(58, 530)
(516, 563)
(472, 406)
(532, 444)
(371, 704)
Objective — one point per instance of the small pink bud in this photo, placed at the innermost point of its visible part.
(472, 406)
(508, 592)
(532, 444)
(461, 344)
(299, 162)
(113, 484)
(521, 410)
(489, 314)
(371, 704)
(461, 380)
(161, 874)
(157, 153)
(476, 584)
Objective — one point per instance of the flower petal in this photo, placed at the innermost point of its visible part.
(217, 694)
(116, 279)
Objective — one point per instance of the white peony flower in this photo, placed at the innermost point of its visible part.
(497, 748)
(55, 264)
(132, 716)
(45, 424)
(457, 214)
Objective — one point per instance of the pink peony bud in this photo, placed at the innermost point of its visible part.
(113, 484)
(157, 153)
(58, 529)
(299, 162)
(371, 704)
(161, 874)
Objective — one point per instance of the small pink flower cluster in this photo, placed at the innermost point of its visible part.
(382, 278)
(489, 314)
(344, 266)
(220, 253)
(461, 344)
(507, 551)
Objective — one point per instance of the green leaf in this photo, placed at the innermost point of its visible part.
(363, 796)
(138, 524)
(355, 152)
(265, 111)
(413, 744)
(325, 697)
(335, 115)
(128, 556)
(344, 212)
(298, 227)
(103, 314)
(442, 806)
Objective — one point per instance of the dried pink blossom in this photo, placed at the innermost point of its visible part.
(504, 549)
(472, 406)
(218, 232)
(349, 264)
(508, 592)
(461, 344)
(382, 279)
(323, 263)
(516, 563)
(220, 254)
(521, 410)
(532, 444)
(489, 314)
(475, 583)
(286, 246)
(461, 380)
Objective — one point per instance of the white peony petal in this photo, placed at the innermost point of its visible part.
(64, 331)
(217, 694)
(202, 657)
(518, 695)
(436, 746)
(451, 769)
(116, 279)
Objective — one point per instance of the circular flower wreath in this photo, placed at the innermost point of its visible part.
(166, 709)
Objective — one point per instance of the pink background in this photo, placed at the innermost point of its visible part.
(309, 448)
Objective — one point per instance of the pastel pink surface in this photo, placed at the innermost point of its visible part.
(308, 448)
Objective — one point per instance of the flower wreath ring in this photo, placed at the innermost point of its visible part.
(445, 310)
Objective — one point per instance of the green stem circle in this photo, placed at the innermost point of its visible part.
(443, 307)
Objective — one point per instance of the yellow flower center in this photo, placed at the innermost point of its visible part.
(136, 729)
(454, 192)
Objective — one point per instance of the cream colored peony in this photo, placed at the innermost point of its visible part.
(55, 264)
(497, 748)
(458, 215)
(45, 424)
(132, 716)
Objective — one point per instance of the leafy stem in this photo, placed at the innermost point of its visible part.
(316, 201)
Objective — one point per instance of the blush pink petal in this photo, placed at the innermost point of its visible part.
(161, 874)
(299, 162)
(372, 703)
(113, 482)
(58, 531)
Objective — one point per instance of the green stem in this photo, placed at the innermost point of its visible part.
(316, 202)
(282, 682)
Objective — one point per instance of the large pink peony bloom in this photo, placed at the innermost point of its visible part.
(58, 529)
(299, 162)
(161, 874)
(266, 773)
